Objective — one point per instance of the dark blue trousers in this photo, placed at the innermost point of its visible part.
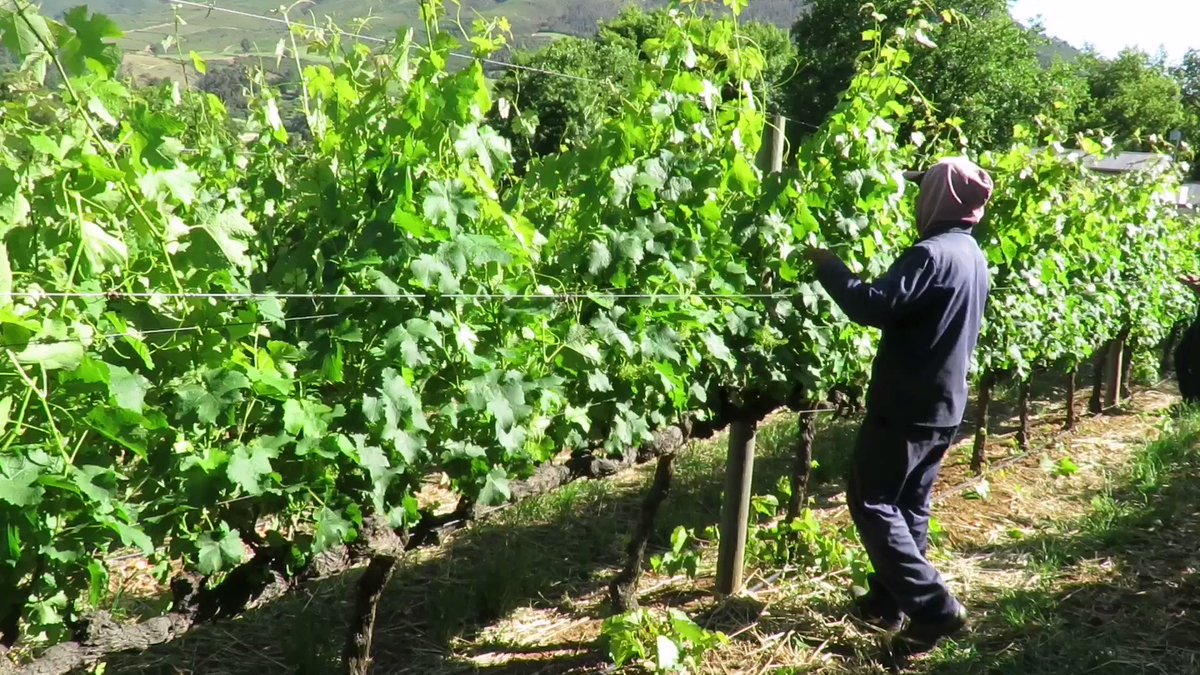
(889, 495)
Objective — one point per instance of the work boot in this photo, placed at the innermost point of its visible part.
(919, 637)
(866, 608)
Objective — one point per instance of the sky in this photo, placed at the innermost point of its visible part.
(1110, 25)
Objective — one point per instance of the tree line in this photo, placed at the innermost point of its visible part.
(982, 71)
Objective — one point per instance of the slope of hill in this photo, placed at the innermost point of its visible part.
(219, 34)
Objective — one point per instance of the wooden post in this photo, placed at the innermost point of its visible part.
(1096, 403)
(739, 468)
(1127, 369)
(777, 143)
(1115, 371)
(735, 510)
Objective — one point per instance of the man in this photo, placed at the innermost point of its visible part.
(1187, 354)
(930, 307)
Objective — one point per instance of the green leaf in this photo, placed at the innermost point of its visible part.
(5, 413)
(248, 466)
(6, 277)
(231, 230)
(332, 529)
(132, 535)
(446, 202)
(622, 187)
(53, 355)
(18, 481)
(179, 182)
(102, 249)
(198, 63)
(98, 483)
(484, 145)
(220, 551)
(309, 419)
(666, 653)
(129, 389)
(495, 488)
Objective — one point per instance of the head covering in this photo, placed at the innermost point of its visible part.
(953, 190)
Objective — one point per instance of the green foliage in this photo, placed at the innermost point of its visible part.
(657, 642)
(803, 545)
(682, 558)
(551, 112)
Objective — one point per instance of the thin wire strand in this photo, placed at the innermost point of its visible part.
(117, 295)
(139, 334)
(506, 297)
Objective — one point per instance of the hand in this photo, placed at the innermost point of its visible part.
(1192, 283)
(819, 256)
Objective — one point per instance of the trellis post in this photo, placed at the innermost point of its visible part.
(739, 467)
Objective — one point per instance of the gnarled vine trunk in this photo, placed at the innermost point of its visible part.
(1023, 433)
(978, 453)
(622, 592)
(1072, 392)
(356, 657)
(802, 466)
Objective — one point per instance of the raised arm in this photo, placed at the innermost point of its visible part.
(891, 297)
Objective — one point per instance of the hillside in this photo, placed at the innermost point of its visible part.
(218, 35)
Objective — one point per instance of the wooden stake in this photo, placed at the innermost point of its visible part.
(1115, 371)
(739, 469)
(735, 511)
(1096, 403)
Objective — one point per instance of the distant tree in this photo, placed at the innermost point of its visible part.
(228, 83)
(549, 112)
(247, 46)
(1131, 97)
(989, 71)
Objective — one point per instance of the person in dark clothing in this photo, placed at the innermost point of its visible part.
(929, 306)
(1187, 354)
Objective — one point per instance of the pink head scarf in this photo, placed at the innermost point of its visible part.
(953, 190)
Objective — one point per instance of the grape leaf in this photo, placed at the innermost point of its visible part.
(248, 466)
(495, 488)
(127, 388)
(53, 355)
(231, 231)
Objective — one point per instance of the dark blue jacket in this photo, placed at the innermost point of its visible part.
(930, 307)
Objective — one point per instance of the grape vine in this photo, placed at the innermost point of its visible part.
(180, 377)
